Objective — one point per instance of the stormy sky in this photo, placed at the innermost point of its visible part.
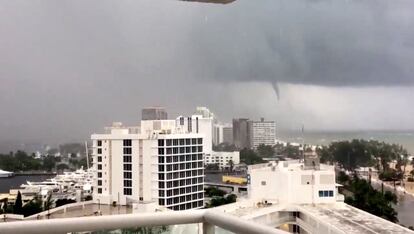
(69, 68)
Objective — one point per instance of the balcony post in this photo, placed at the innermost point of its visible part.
(208, 228)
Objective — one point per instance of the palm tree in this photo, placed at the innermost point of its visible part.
(231, 165)
(47, 204)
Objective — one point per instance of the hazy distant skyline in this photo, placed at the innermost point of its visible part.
(69, 68)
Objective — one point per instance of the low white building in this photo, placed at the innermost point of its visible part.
(223, 159)
(293, 183)
(155, 163)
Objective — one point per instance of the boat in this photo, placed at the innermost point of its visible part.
(6, 174)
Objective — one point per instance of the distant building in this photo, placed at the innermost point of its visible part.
(241, 133)
(262, 133)
(222, 133)
(154, 113)
(223, 159)
(228, 135)
(157, 163)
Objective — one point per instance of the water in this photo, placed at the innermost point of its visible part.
(14, 182)
(404, 138)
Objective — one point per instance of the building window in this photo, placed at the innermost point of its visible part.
(326, 193)
(99, 143)
(127, 150)
(168, 142)
(99, 174)
(99, 159)
(161, 202)
(128, 175)
(99, 151)
(160, 167)
(127, 167)
(99, 190)
(161, 151)
(99, 166)
(263, 183)
(99, 182)
(127, 191)
(161, 185)
(127, 142)
(127, 159)
(160, 142)
(127, 183)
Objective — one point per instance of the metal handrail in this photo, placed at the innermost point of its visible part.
(110, 222)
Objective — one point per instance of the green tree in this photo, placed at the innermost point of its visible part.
(249, 157)
(32, 207)
(62, 166)
(17, 208)
(365, 197)
(231, 165)
(48, 203)
(265, 151)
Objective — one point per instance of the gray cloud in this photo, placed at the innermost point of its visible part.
(69, 67)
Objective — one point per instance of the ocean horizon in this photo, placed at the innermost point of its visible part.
(314, 137)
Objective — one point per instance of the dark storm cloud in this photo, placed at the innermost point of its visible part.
(69, 67)
(327, 43)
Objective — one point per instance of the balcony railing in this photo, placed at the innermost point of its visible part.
(207, 219)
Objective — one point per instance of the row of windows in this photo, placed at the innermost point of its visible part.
(182, 166)
(180, 158)
(169, 142)
(326, 193)
(181, 191)
(127, 167)
(176, 200)
(180, 150)
(186, 206)
(180, 175)
(177, 183)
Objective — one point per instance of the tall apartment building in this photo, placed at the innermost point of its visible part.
(154, 113)
(262, 132)
(241, 133)
(156, 162)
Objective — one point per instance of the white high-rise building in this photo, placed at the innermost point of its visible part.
(156, 163)
(262, 132)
